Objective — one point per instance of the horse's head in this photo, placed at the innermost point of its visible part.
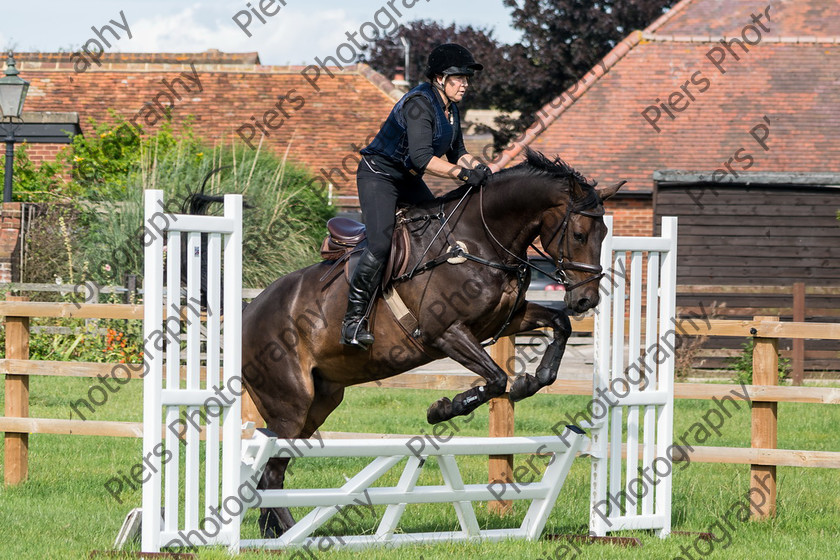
(572, 234)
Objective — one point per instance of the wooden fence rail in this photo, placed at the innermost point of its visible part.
(762, 455)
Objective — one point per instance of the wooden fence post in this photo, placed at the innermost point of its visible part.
(798, 354)
(250, 412)
(762, 495)
(501, 422)
(17, 398)
(131, 288)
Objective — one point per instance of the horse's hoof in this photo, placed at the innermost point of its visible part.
(439, 411)
(270, 525)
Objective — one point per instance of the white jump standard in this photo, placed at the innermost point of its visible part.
(643, 385)
(232, 466)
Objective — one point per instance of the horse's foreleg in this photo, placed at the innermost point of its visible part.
(535, 316)
(460, 345)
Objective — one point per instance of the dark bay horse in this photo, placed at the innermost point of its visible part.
(296, 370)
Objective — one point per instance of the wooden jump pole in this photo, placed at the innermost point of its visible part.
(501, 422)
(764, 426)
(798, 350)
(17, 398)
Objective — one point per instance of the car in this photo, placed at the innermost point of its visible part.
(542, 282)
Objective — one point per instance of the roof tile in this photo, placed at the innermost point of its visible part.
(325, 129)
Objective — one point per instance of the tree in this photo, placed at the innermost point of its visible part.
(386, 55)
(562, 40)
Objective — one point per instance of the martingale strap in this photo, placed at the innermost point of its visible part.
(444, 219)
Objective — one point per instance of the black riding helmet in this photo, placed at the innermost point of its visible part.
(451, 59)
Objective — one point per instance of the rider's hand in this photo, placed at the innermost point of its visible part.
(473, 177)
(484, 168)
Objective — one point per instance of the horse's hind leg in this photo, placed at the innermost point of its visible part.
(533, 316)
(460, 345)
(274, 522)
(284, 402)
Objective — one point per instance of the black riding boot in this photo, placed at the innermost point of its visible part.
(366, 279)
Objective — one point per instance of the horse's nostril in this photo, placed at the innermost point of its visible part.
(584, 303)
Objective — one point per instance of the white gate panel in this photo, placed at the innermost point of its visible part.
(177, 413)
(630, 491)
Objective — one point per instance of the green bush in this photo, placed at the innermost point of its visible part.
(98, 236)
(36, 183)
(742, 367)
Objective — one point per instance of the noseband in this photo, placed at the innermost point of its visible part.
(561, 263)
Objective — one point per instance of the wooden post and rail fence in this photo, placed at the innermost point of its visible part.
(763, 456)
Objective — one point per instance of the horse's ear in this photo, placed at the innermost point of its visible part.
(577, 191)
(607, 192)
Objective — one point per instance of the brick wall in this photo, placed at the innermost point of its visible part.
(39, 153)
(10, 242)
(43, 152)
(631, 216)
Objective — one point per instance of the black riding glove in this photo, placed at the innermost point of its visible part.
(473, 177)
(484, 168)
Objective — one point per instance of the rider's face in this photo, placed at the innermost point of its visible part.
(455, 86)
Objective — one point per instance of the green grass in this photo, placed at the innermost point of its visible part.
(63, 510)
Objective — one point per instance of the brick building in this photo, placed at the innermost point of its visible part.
(686, 92)
(321, 120)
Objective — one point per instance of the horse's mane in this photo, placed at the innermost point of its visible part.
(534, 165)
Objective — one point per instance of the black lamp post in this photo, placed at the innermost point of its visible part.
(12, 95)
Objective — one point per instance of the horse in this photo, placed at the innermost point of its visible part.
(296, 370)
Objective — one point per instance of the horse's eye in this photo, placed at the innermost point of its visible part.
(579, 237)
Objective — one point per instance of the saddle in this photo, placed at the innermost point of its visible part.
(346, 239)
(345, 242)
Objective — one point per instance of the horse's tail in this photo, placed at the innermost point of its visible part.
(197, 202)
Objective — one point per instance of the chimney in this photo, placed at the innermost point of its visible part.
(399, 80)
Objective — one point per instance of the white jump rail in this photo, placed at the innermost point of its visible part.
(559, 452)
(634, 371)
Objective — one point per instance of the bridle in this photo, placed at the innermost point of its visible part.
(521, 269)
(561, 263)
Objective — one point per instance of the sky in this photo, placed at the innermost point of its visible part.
(295, 33)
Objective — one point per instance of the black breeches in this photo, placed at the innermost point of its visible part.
(379, 194)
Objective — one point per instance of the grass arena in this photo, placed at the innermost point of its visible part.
(720, 505)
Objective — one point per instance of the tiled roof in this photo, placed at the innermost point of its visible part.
(322, 126)
(600, 129)
(211, 56)
(788, 18)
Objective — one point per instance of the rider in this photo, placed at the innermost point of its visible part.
(424, 127)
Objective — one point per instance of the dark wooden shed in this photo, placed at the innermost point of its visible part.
(744, 241)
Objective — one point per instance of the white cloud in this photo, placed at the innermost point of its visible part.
(302, 30)
(290, 37)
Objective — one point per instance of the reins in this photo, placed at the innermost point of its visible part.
(561, 264)
(521, 268)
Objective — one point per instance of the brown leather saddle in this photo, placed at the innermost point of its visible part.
(346, 240)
